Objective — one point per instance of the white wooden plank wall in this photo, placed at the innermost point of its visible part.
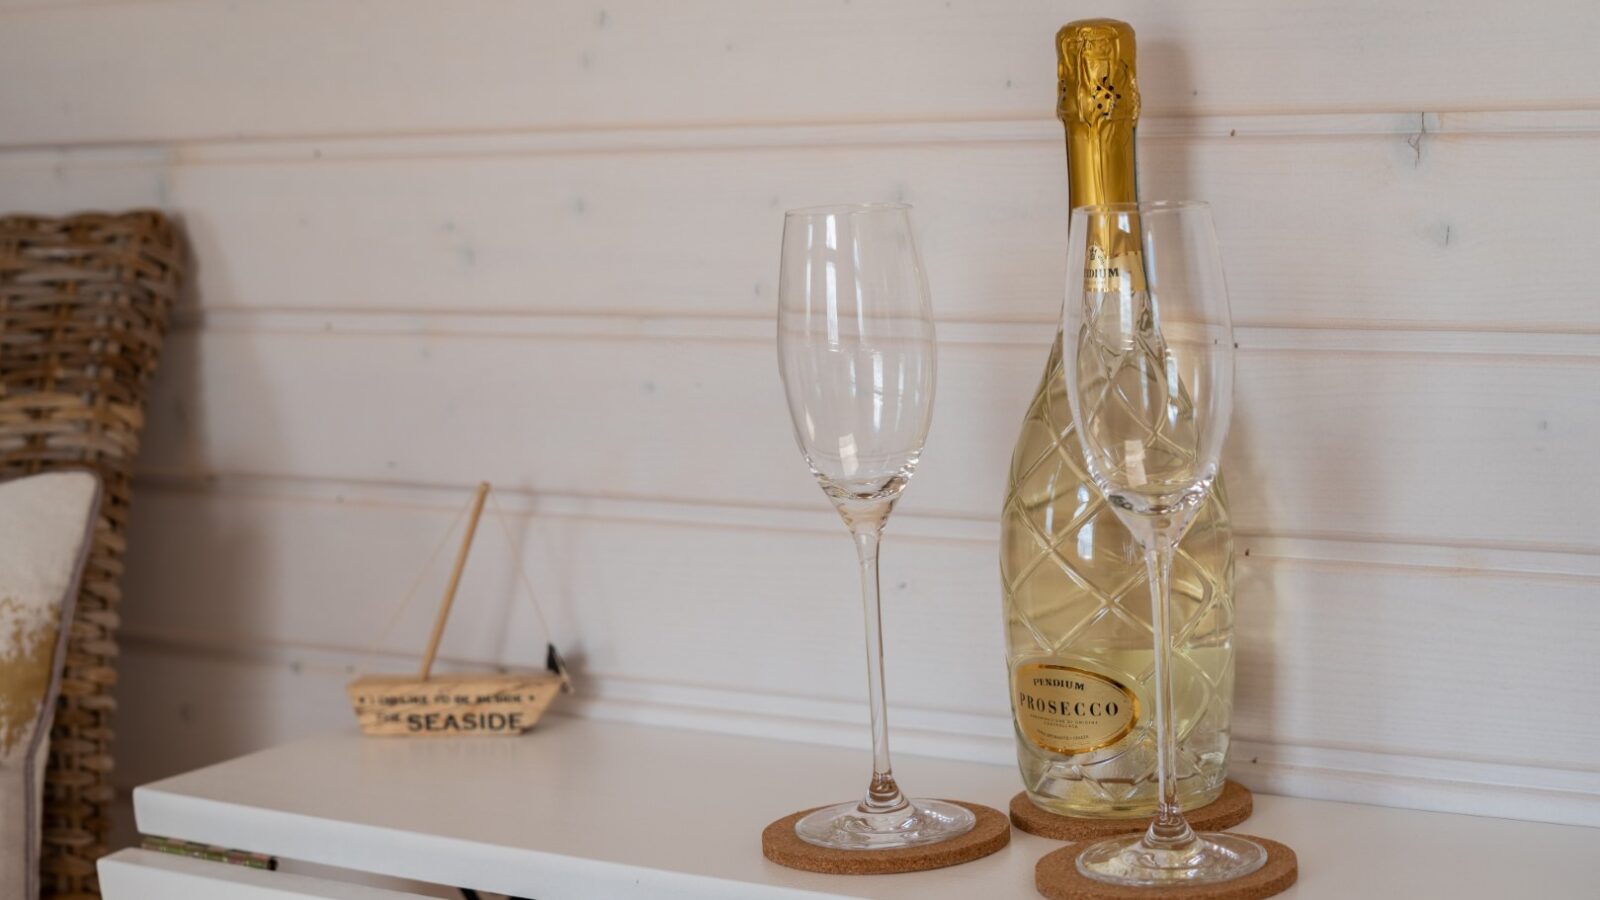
(536, 243)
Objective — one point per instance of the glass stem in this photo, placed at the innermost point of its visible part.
(883, 795)
(1169, 830)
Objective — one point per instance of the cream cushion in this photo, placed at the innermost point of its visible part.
(45, 524)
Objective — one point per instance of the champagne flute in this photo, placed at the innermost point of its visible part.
(856, 351)
(1148, 340)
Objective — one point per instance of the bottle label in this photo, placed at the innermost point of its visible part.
(1103, 274)
(1067, 710)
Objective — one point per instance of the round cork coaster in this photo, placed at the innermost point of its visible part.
(1228, 810)
(780, 844)
(1057, 877)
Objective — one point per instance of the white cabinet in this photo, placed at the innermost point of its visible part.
(587, 810)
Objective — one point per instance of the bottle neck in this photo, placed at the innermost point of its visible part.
(1100, 164)
(1097, 99)
(1100, 169)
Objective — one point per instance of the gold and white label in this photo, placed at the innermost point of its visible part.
(1107, 275)
(1067, 710)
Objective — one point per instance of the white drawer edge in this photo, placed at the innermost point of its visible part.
(150, 875)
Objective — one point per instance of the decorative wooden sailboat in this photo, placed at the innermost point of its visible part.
(458, 703)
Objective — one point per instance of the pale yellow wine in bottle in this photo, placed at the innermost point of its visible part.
(1077, 603)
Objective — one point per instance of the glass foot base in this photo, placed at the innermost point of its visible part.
(846, 827)
(1212, 857)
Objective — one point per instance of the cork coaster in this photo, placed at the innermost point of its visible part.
(1228, 810)
(780, 844)
(1057, 877)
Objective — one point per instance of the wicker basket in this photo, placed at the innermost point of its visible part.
(83, 308)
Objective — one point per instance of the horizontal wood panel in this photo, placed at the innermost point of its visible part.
(1344, 655)
(152, 71)
(755, 610)
(203, 707)
(1329, 230)
(326, 572)
(180, 711)
(1439, 448)
(1448, 665)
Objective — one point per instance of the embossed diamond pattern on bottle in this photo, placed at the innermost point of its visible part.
(1076, 595)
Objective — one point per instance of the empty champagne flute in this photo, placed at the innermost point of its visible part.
(857, 355)
(1148, 341)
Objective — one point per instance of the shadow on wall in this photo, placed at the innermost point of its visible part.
(163, 722)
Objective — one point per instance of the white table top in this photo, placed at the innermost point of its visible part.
(586, 809)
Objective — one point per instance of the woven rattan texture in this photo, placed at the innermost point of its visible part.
(84, 302)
